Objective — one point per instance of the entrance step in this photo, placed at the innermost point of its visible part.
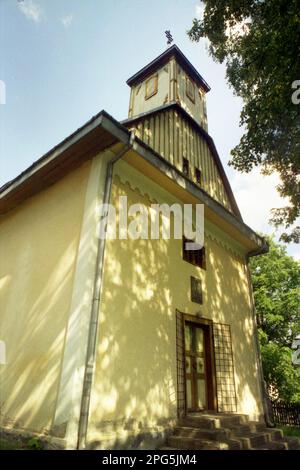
(190, 443)
(220, 431)
(213, 421)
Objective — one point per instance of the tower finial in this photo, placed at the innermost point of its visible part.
(169, 37)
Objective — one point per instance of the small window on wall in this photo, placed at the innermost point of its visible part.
(198, 176)
(185, 166)
(151, 86)
(195, 257)
(190, 89)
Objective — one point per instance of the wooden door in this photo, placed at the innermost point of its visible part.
(195, 367)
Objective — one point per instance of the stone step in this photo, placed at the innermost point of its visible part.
(254, 440)
(283, 444)
(276, 434)
(292, 442)
(228, 419)
(273, 445)
(193, 439)
(244, 431)
(196, 433)
(216, 431)
(241, 429)
(248, 430)
(168, 448)
(190, 443)
(197, 423)
(250, 427)
(212, 421)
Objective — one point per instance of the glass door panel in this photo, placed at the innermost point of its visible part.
(195, 367)
(188, 336)
(200, 365)
(199, 340)
(189, 400)
(201, 393)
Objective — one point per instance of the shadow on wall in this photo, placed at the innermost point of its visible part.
(135, 380)
(230, 303)
(38, 246)
(145, 281)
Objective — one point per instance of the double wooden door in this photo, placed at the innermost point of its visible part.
(199, 374)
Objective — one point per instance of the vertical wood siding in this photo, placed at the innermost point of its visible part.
(174, 138)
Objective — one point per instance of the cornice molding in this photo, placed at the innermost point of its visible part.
(138, 183)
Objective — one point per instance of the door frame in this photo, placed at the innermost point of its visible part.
(207, 326)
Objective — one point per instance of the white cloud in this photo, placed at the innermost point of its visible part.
(31, 10)
(256, 195)
(199, 11)
(67, 20)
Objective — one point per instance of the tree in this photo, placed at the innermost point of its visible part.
(260, 42)
(283, 380)
(276, 286)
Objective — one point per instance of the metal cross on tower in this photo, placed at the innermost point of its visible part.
(169, 37)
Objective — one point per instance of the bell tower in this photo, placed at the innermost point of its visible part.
(170, 78)
(167, 111)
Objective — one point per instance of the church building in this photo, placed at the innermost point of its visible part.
(109, 341)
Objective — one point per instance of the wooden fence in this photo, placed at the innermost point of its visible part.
(284, 413)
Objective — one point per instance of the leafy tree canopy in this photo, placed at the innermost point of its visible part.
(276, 285)
(260, 42)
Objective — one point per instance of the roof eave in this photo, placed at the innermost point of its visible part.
(32, 180)
(81, 145)
(163, 58)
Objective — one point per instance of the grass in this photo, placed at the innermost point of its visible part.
(291, 431)
(13, 444)
(9, 445)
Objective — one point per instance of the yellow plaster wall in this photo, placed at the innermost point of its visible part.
(138, 102)
(196, 108)
(171, 86)
(38, 247)
(145, 281)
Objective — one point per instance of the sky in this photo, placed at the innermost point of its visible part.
(63, 61)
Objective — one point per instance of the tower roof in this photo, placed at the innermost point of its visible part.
(163, 58)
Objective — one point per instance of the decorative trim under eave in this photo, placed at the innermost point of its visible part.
(140, 184)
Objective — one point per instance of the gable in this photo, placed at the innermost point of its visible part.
(175, 138)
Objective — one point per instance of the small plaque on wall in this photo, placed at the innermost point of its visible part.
(196, 290)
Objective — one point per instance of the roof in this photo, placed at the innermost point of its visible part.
(162, 59)
(69, 154)
(207, 138)
(98, 134)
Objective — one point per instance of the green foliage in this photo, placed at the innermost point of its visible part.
(291, 431)
(276, 285)
(6, 444)
(260, 42)
(282, 378)
(34, 443)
